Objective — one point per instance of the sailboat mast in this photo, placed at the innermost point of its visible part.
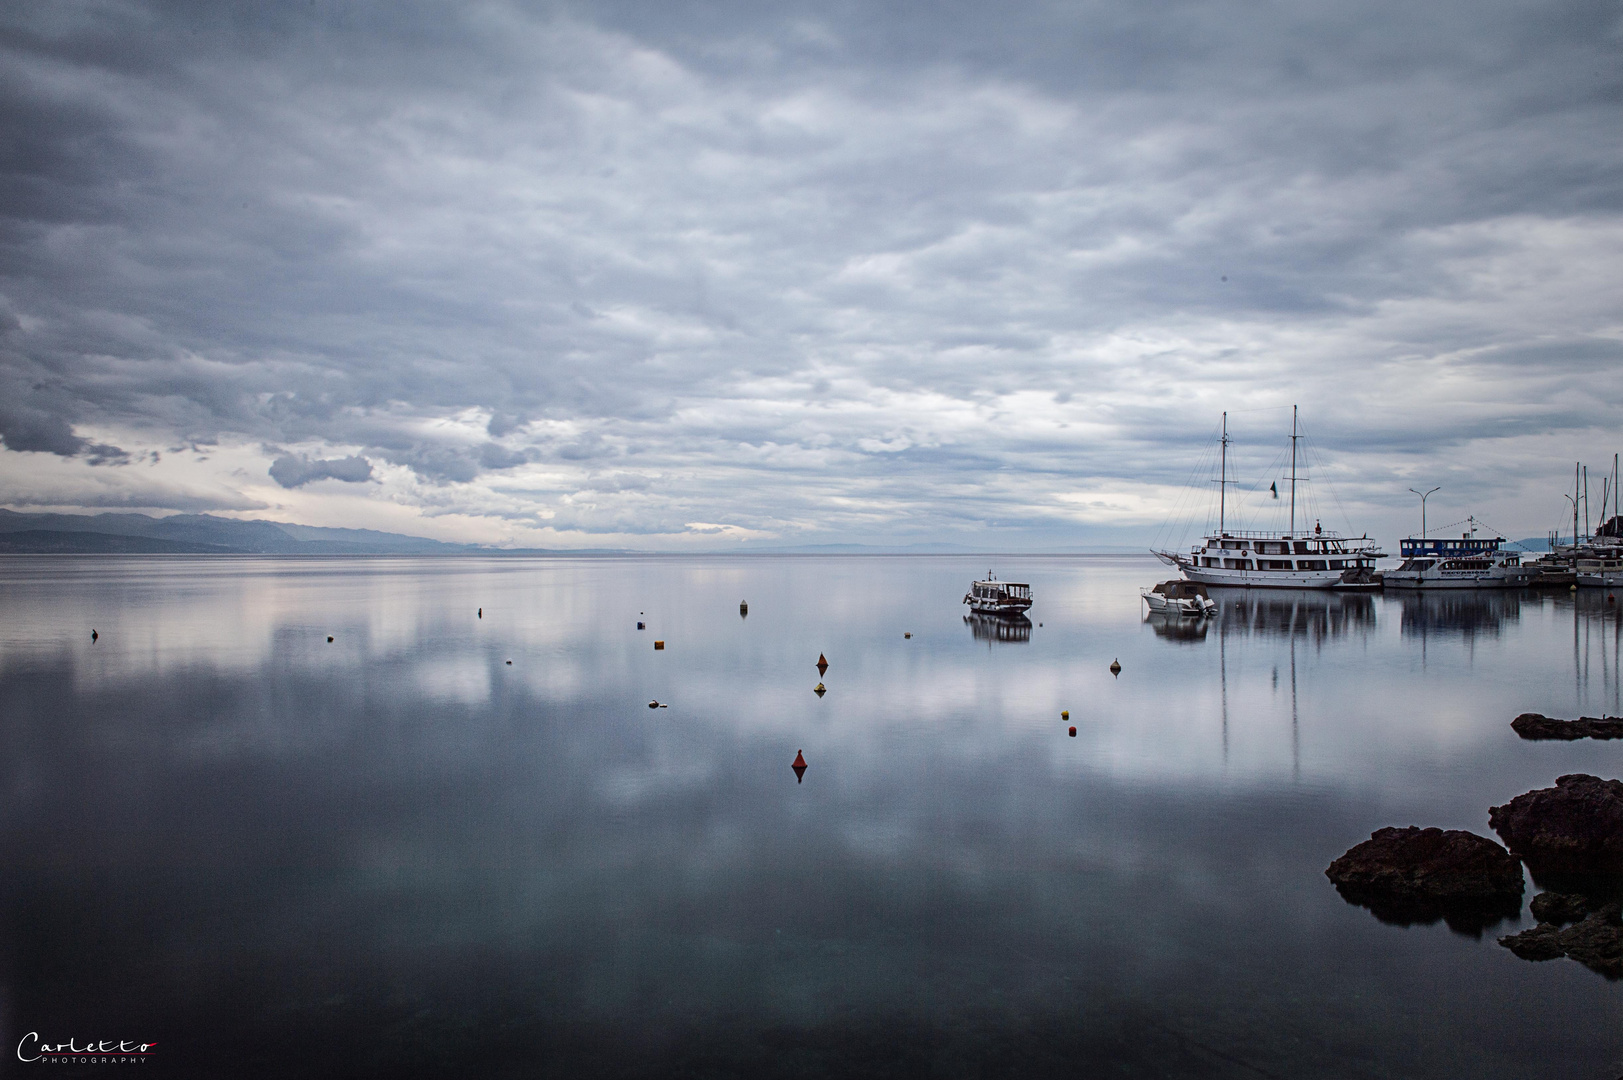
(1223, 480)
(1576, 491)
(1293, 470)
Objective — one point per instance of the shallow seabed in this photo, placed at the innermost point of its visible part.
(395, 854)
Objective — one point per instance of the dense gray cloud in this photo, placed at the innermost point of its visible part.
(822, 269)
(293, 471)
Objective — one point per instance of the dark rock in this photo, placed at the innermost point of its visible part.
(1575, 827)
(1416, 875)
(1561, 908)
(1596, 942)
(1532, 725)
(1542, 942)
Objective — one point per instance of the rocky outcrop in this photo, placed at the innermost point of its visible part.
(1532, 725)
(1595, 940)
(1416, 875)
(1561, 908)
(1575, 827)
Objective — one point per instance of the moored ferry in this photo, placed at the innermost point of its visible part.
(1291, 559)
(1470, 562)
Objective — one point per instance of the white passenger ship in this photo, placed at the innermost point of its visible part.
(1314, 558)
(1471, 562)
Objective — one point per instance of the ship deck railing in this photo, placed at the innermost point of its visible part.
(1252, 534)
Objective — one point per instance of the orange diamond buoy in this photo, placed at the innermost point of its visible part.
(799, 766)
(822, 664)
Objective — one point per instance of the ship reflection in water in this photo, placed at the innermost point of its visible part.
(1318, 614)
(1177, 627)
(1006, 628)
(1466, 612)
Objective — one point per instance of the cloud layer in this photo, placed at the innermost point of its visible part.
(579, 274)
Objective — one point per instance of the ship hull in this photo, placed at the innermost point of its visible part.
(1455, 579)
(1264, 579)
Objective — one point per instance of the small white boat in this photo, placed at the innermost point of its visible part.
(994, 597)
(1180, 598)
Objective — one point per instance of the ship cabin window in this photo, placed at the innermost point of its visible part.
(1310, 564)
(1466, 564)
(1301, 547)
(1417, 564)
(1266, 547)
(1209, 562)
(1237, 564)
(1236, 545)
(1273, 564)
(1338, 564)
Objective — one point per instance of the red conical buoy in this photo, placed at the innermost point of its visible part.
(799, 766)
(822, 664)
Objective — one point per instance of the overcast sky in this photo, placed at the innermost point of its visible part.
(674, 275)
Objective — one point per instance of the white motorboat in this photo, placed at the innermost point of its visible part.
(1180, 598)
(1470, 562)
(1315, 558)
(994, 597)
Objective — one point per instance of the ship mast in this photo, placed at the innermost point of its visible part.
(1294, 437)
(1223, 481)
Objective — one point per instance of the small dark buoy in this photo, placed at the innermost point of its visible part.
(908, 634)
(657, 704)
(822, 663)
(799, 766)
(481, 613)
(1039, 624)
(510, 663)
(658, 645)
(1073, 731)
(1115, 667)
(94, 635)
(743, 609)
(329, 639)
(1065, 714)
(640, 626)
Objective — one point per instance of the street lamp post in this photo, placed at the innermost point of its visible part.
(1423, 508)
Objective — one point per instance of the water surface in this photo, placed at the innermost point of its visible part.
(397, 854)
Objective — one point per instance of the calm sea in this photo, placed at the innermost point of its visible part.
(395, 853)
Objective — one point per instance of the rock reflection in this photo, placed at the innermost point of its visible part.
(1006, 628)
(1316, 614)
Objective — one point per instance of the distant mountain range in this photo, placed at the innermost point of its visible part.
(204, 534)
